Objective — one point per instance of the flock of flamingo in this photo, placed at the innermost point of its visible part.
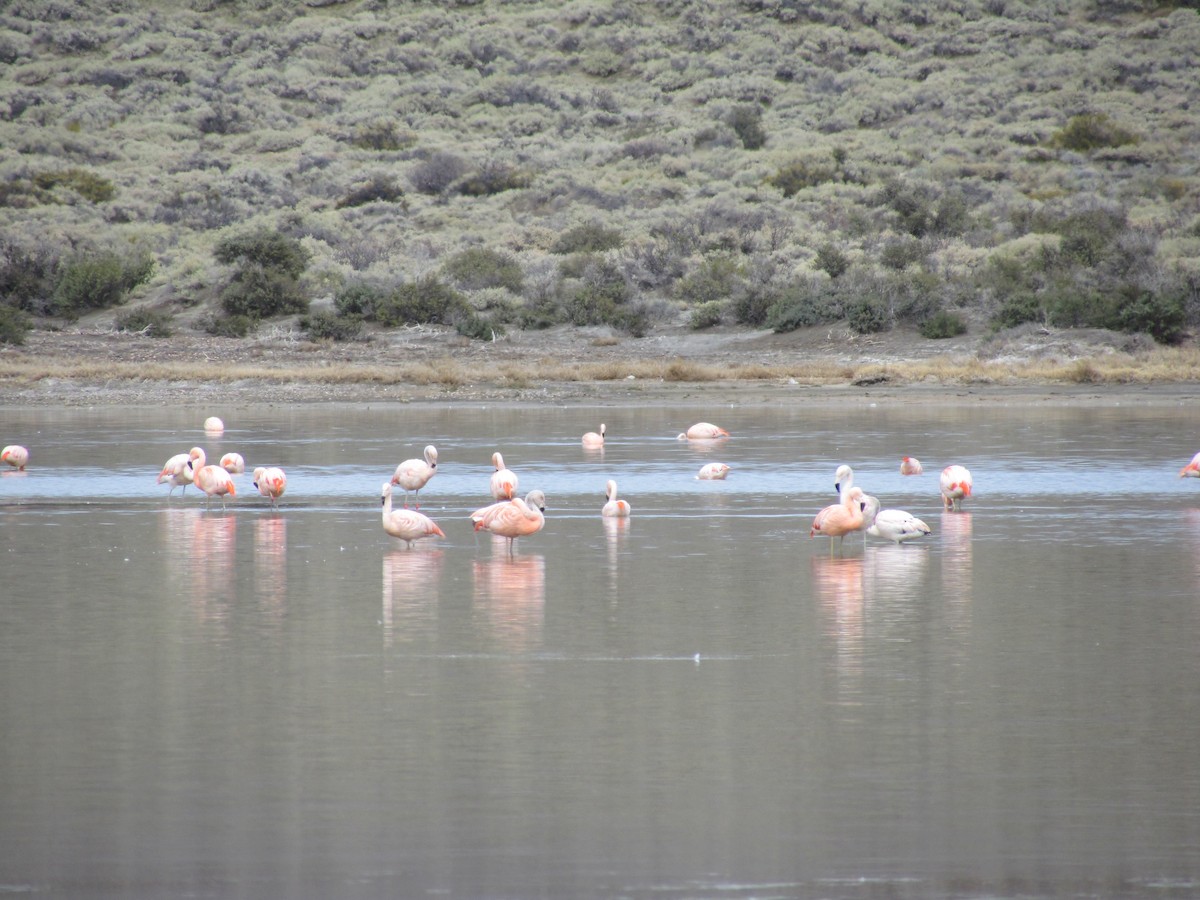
(513, 517)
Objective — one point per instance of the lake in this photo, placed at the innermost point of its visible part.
(700, 701)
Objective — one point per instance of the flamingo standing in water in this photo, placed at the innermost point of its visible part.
(414, 474)
(16, 456)
(214, 426)
(712, 472)
(213, 480)
(614, 508)
(891, 524)
(177, 472)
(594, 438)
(843, 480)
(233, 463)
(839, 519)
(703, 431)
(910, 465)
(504, 480)
(406, 524)
(271, 482)
(1191, 470)
(956, 484)
(514, 518)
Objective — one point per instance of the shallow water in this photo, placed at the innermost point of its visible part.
(699, 702)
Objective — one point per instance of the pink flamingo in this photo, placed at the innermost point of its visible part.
(271, 482)
(177, 472)
(956, 484)
(233, 463)
(703, 431)
(839, 519)
(406, 524)
(514, 518)
(16, 456)
(213, 480)
(713, 472)
(414, 474)
(843, 480)
(614, 508)
(891, 524)
(1191, 470)
(594, 438)
(504, 481)
(910, 465)
(214, 426)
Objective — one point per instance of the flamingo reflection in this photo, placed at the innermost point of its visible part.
(838, 585)
(615, 531)
(410, 593)
(956, 556)
(270, 562)
(893, 572)
(199, 553)
(510, 596)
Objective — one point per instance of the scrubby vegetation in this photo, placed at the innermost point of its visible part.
(483, 166)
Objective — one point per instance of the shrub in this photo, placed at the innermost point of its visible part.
(88, 282)
(427, 301)
(707, 314)
(493, 178)
(943, 324)
(717, 278)
(1091, 131)
(379, 188)
(832, 261)
(804, 305)
(265, 248)
(152, 322)
(797, 176)
(325, 325)
(478, 268)
(1160, 315)
(868, 316)
(746, 122)
(587, 238)
(88, 185)
(381, 136)
(436, 174)
(14, 325)
(478, 328)
(27, 276)
(1018, 309)
(358, 299)
(229, 326)
(260, 293)
(900, 253)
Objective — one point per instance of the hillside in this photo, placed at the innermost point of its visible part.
(762, 163)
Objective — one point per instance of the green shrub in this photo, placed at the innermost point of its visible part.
(832, 261)
(436, 174)
(900, 253)
(803, 306)
(27, 275)
(943, 324)
(868, 315)
(478, 328)
(152, 322)
(88, 185)
(1018, 309)
(358, 299)
(265, 248)
(14, 325)
(478, 268)
(427, 301)
(717, 278)
(746, 122)
(752, 306)
(87, 282)
(260, 293)
(1091, 131)
(1160, 315)
(797, 176)
(492, 178)
(382, 136)
(229, 326)
(378, 189)
(325, 325)
(587, 238)
(707, 314)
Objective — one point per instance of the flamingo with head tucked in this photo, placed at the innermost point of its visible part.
(713, 472)
(16, 456)
(406, 524)
(271, 482)
(504, 480)
(956, 484)
(414, 474)
(514, 518)
(213, 480)
(1192, 469)
(594, 438)
(233, 463)
(703, 431)
(910, 465)
(614, 507)
(891, 524)
(177, 472)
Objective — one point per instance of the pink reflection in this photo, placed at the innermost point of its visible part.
(199, 551)
(270, 562)
(838, 585)
(411, 582)
(510, 593)
(895, 571)
(615, 533)
(956, 556)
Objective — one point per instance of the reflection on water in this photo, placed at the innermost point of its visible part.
(510, 598)
(197, 703)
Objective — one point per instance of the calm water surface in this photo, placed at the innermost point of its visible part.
(699, 702)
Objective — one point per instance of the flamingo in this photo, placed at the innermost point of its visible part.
(504, 481)
(614, 508)
(213, 480)
(233, 463)
(703, 431)
(214, 425)
(177, 472)
(1191, 470)
(843, 480)
(910, 465)
(406, 524)
(956, 485)
(513, 518)
(271, 482)
(891, 524)
(839, 519)
(16, 456)
(414, 474)
(593, 438)
(712, 472)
